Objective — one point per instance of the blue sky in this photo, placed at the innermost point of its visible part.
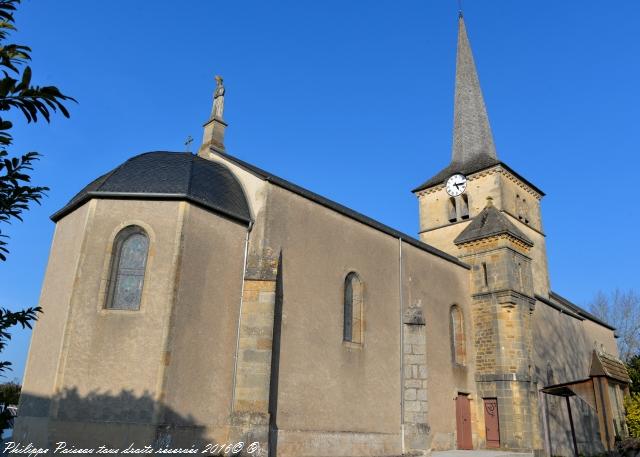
(351, 99)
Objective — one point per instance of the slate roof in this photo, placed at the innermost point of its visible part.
(473, 148)
(472, 165)
(169, 176)
(280, 182)
(565, 306)
(578, 310)
(163, 175)
(490, 222)
(472, 135)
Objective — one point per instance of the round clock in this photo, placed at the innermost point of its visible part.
(456, 184)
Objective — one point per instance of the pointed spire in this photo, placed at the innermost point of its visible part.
(472, 137)
(214, 128)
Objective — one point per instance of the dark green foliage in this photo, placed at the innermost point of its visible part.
(18, 95)
(15, 191)
(10, 393)
(9, 396)
(9, 319)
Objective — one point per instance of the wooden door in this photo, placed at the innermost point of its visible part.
(491, 422)
(463, 422)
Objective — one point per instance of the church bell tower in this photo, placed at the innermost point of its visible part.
(451, 199)
(480, 210)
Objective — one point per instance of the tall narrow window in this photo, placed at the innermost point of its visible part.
(458, 348)
(451, 209)
(520, 279)
(485, 275)
(127, 269)
(353, 301)
(464, 206)
(519, 207)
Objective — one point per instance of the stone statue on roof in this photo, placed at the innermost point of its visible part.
(218, 98)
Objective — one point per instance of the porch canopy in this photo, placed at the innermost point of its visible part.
(604, 367)
(582, 388)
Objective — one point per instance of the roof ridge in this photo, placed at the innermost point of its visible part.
(490, 222)
(338, 207)
(578, 309)
(190, 177)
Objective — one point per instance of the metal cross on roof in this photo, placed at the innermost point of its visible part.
(188, 142)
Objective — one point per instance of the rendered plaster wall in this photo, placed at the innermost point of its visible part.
(335, 397)
(47, 340)
(111, 374)
(197, 385)
(563, 350)
(113, 360)
(435, 285)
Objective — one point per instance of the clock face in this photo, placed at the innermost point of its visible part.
(456, 185)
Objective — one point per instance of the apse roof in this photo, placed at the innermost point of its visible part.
(168, 175)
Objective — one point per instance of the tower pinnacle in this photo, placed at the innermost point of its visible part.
(472, 137)
(214, 128)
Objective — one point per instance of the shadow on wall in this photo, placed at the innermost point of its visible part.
(563, 354)
(115, 421)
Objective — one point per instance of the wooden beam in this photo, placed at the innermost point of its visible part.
(573, 430)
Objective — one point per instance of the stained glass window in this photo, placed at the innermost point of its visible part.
(127, 272)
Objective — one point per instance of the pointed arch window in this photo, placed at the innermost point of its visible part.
(126, 279)
(353, 304)
(458, 347)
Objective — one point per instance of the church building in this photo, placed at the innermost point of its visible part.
(196, 298)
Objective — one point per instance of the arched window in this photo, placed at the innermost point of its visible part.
(451, 209)
(464, 206)
(458, 348)
(353, 301)
(525, 211)
(127, 269)
(522, 209)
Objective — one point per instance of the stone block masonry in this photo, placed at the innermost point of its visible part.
(414, 389)
(250, 417)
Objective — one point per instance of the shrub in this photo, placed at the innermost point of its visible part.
(632, 405)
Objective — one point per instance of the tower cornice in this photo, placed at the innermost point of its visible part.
(500, 168)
